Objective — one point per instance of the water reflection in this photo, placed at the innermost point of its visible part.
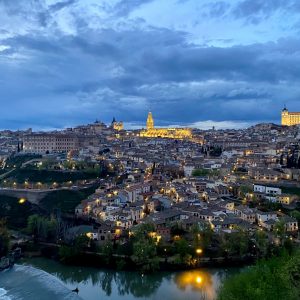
(201, 281)
(93, 283)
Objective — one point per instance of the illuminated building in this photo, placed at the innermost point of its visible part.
(45, 142)
(173, 133)
(290, 118)
(118, 126)
(150, 122)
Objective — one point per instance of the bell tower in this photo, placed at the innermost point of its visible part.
(285, 117)
(150, 122)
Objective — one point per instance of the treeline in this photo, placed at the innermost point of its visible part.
(43, 228)
(147, 251)
(144, 249)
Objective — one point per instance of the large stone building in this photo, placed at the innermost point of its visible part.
(174, 133)
(43, 143)
(290, 118)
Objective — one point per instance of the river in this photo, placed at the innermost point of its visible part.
(45, 279)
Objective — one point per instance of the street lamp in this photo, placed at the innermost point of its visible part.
(199, 251)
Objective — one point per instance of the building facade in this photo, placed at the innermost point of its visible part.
(290, 118)
(49, 142)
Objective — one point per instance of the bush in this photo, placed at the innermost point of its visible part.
(278, 278)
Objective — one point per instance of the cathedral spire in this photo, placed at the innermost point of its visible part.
(150, 121)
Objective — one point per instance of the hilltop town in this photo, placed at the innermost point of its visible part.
(208, 188)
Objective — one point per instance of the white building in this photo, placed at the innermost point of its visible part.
(267, 189)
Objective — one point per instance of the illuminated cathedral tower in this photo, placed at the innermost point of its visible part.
(150, 122)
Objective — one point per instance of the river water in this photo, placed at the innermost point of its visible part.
(45, 279)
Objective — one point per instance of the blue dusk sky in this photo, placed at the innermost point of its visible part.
(200, 63)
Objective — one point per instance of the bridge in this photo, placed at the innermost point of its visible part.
(33, 196)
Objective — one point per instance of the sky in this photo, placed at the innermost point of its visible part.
(230, 63)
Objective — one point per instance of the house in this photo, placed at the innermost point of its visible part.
(245, 213)
(262, 217)
(291, 224)
(269, 225)
(286, 198)
(267, 189)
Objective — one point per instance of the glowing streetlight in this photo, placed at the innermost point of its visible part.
(22, 200)
(199, 251)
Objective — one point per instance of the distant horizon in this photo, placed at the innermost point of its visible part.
(202, 125)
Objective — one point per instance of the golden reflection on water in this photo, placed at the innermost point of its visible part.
(196, 280)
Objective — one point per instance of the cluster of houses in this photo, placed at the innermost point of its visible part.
(155, 179)
(190, 202)
(158, 185)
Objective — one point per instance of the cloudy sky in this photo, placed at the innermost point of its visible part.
(191, 62)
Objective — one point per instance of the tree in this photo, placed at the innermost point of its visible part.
(107, 250)
(4, 238)
(206, 234)
(69, 254)
(277, 278)
(279, 229)
(235, 243)
(243, 190)
(144, 247)
(183, 251)
(261, 242)
(41, 227)
(143, 230)
(145, 255)
(296, 214)
(177, 229)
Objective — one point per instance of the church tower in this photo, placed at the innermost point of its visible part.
(150, 122)
(285, 119)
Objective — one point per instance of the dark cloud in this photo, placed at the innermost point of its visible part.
(60, 5)
(125, 7)
(58, 79)
(126, 72)
(257, 10)
(218, 9)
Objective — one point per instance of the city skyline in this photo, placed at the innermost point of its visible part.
(228, 64)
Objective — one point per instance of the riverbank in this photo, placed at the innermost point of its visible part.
(124, 262)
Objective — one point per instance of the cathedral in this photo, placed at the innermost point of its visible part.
(118, 126)
(290, 118)
(172, 133)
